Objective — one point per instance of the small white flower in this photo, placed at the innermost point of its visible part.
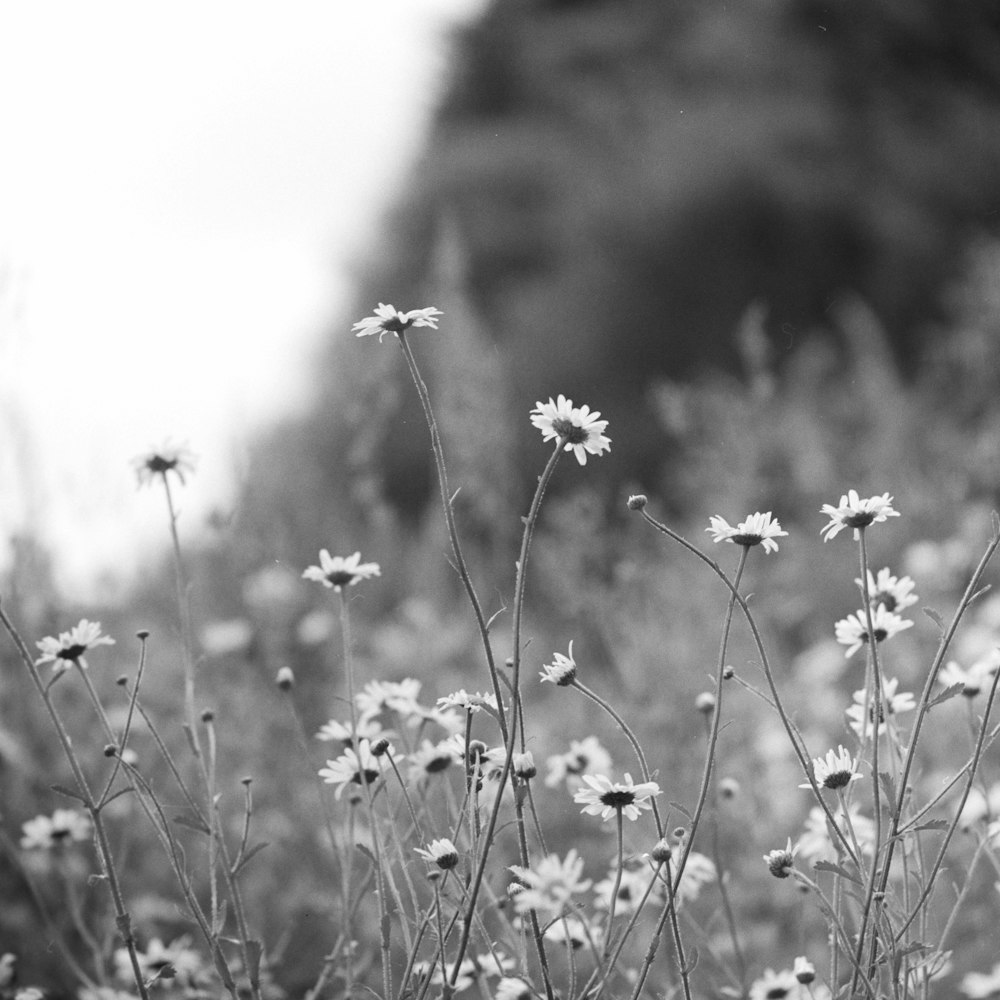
(442, 853)
(580, 430)
(388, 319)
(775, 984)
(757, 529)
(978, 986)
(561, 671)
(344, 732)
(511, 988)
(781, 860)
(853, 512)
(605, 798)
(550, 884)
(159, 461)
(837, 770)
(804, 970)
(179, 958)
(339, 572)
(895, 704)
(698, 872)
(852, 631)
(815, 843)
(433, 758)
(631, 890)
(394, 696)
(573, 931)
(973, 680)
(354, 767)
(64, 826)
(895, 593)
(585, 756)
(70, 646)
(469, 702)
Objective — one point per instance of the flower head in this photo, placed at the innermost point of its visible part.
(837, 770)
(774, 985)
(160, 461)
(895, 593)
(339, 572)
(395, 696)
(804, 970)
(433, 758)
(469, 702)
(579, 430)
(584, 756)
(573, 931)
(757, 529)
(631, 889)
(64, 826)
(852, 631)
(70, 646)
(550, 884)
(354, 767)
(442, 853)
(604, 797)
(177, 960)
(561, 670)
(979, 986)
(781, 860)
(512, 988)
(973, 680)
(853, 512)
(388, 319)
(894, 704)
(816, 843)
(345, 733)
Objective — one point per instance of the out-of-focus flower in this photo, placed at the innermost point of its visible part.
(562, 670)
(550, 884)
(357, 767)
(285, 678)
(523, 765)
(64, 826)
(511, 988)
(804, 970)
(345, 733)
(853, 512)
(631, 889)
(979, 986)
(573, 931)
(395, 696)
(584, 756)
(177, 960)
(70, 646)
(837, 770)
(978, 806)
(757, 529)
(469, 702)
(442, 853)
(315, 627)
(605, 798)
(973, 680)
(698, 872)
(581, 431)
(852, 631)
(894, 593)
(781, 860)
(894, 704)
(222, 638)
(433, 758)
(815, 843)
(159, 461)
(775, 984)
(340, 571)
(388, 319)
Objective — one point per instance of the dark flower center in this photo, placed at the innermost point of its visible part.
(367, 776)
(340, 577)
(157, 463)
(577, 765)
(747, 539)
(437, 764)
(73, 652)
(569, 432)
(858, 520)
(60, 832)
(776, 991)
(394, 325)
(884, 597)
(838, 779)
(618, 798)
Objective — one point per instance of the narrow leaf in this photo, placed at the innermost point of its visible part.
(934, 617)
(68, 792)
(219, 924)
(931, 824)
(947, 694)
(252, 852)
(680, 809)
(191, 822)
(254, 951)
(367, 853)
(829, 866)
(889, 788)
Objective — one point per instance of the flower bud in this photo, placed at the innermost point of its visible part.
(637, 502)
(285, 679)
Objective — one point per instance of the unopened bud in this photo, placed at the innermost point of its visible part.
(524, 766)
(110, 750)
(379, 747)
(207, 715)
(285, 679)
(728, 673)
(660, 852)
(637, 502)
(705, 703)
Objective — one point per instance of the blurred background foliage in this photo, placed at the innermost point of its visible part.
(761, 238)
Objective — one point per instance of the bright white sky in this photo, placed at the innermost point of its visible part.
(182, 187)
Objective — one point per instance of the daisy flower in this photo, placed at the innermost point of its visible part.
(978, 986)
(512, 988)
(894, 593)
(853, 512)
(442, 853)
(393, 696)
(698, 872)
(584, 756)
(339, 572)
(388, 319)
(561, 671)
(605, 798)
(184, 962)
(781, 860)
(852, 631)
(550, 884)
(160, 461)
(815, 844)
(631, 890)
(895, 704)
(803, 970)
(469, 702)
(837, 770)
(70, 646)
(345, 732)
(580, 430)
(973, 680)
(775, 984)
(354, 768)
(572, 931)
(433, 758)
(64, 826)
(757, 529)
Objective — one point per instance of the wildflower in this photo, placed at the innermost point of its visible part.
(816, 844)
(576, 428)
(160, 960)
(442, 852)
(804, 970)
(705, 703)
(729, 788)
(979, 806)
(494, 963)
(550, 884)
(895, 593)
(433, 758)
(637, 501)
(781, 861)
(524, 765)
(604, 798)
(757, 529)
(64, 826)
(29, 993)
(388, 319)
(773, 985)
(631, 890)
(698, 872)
(852, 631)
(837, 770)
(160, 461)
(856, 513)
(978, 986)
(70, 646)
(562, 670)
(359, 767)
(573, 931)
(285, 678)
(394, 696)
(346, 733)
(469, 702)
(511, 988)
(973, 680)
(464, 979)
(586, 755)
(894, 704)
(338, 572)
